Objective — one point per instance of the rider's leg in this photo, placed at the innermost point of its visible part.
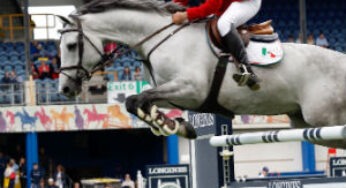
(237, 14)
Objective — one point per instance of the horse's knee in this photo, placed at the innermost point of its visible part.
(130, 104)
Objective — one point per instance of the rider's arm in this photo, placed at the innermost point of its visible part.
(182, 2)
(207, 8)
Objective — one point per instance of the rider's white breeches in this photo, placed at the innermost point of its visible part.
(238, 13)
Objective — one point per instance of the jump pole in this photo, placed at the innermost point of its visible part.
(310, 134)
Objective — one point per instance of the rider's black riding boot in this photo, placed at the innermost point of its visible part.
(235, 46)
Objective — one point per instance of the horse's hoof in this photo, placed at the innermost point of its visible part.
(142, 115)
(170, 131)
(153, 111)
(186, 129)
(155, 131)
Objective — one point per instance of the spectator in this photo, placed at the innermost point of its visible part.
(128, 183)
(300, 39)
(10, 175)
(126, 74)
(51, 183)
(43, 159)
(322, 41)
(42, 184)
(22, 172)
(264, 173)
(311, 39)
(34, 71)
(18, 154)
(110, 47)
(60, 177)
(58, 59)
(14, 78)
(54, 68)
(36, 175)
(76, 185)
(290, 38)
(138, 74)
(7, 78)
(2, 168)
(43, 70)
(35, 50)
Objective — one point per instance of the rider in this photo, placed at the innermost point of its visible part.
(232, 13)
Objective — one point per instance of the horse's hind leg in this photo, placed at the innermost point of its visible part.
(142, 106)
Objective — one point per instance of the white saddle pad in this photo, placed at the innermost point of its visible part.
(263, 54)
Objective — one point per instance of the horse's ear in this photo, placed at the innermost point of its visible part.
(65, 21)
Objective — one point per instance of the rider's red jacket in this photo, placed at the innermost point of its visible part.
(217, 7)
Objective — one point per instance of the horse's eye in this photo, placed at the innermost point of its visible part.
(72, 46)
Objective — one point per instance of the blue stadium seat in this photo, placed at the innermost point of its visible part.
(19, 68)
(138, 64)
(127, 64)
(63, 98)
(20, 49)
(47, 80)
(3, 58)
(13, 58)
(54, 97)
(110, 69)
(22, 57)
(110, 77)
(7, 63)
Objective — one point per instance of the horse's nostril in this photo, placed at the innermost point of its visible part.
(66, 89)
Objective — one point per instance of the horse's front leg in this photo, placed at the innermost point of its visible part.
(142, 106)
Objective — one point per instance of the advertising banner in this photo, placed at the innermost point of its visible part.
(338, 166)
(168, 176)
(66, 118)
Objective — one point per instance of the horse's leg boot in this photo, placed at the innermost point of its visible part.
(236, 47)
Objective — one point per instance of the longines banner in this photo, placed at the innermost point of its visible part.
(312, 182)
(172, 176)
(337, 166)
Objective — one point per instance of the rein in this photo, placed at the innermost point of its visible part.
(84, 74)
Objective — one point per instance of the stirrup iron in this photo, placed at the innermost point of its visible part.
(243, 77)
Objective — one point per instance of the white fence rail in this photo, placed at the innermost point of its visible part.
(311, 134)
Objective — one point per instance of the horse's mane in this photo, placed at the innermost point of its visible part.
(97, 6)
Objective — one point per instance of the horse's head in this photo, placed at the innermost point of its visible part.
(80, 52)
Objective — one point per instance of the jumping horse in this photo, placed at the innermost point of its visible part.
(309, 84)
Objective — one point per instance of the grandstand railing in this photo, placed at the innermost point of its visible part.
(47, 94)
(9, 23)
(12, 94)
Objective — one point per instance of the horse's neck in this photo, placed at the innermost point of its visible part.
(128, 26)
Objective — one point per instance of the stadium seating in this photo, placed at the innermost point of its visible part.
(322, 16)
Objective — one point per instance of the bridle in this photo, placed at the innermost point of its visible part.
(84, 75)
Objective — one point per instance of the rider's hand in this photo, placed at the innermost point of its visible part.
(179, 17)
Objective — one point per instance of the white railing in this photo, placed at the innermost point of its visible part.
(311, 134)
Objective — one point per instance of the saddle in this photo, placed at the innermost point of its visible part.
(246, 32)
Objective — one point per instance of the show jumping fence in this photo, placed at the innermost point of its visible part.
(310, 134)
